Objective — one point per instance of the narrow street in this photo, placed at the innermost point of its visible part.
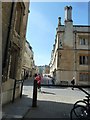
(52, 102)
(38, 41)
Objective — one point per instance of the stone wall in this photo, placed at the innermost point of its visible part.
(6, 11)
(15, 48)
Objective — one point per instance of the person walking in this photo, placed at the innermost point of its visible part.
(38, 78)
(73, 82)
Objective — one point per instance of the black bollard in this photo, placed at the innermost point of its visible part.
(21, 88)
(34, 101)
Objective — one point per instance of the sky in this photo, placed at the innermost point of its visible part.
(42, 24)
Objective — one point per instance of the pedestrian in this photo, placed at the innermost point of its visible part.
(53, 81)
(26, 76)
(73, 82)
(35, 75)
(38, 78)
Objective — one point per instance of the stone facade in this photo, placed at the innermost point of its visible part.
(28, 61)
(14, 24)
(37, 69)
(46, 69)
(70, 54)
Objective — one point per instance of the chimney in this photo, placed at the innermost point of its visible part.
(68, 14)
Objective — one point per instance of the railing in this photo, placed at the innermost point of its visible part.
(34, 100)
(14, 89)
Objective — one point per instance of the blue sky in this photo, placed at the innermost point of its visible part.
(42, 23)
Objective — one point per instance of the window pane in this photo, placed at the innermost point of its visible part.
(83, 59)
(83, 41)
(83, 76)
(80, 59)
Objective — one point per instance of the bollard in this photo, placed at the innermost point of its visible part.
(34, 100)
(21, 88)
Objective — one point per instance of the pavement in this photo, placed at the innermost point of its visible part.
(19, 107)
(52, 103)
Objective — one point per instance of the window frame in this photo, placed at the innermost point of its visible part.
(83, 76)
(20, 9)
(83, 59)
(83, 41)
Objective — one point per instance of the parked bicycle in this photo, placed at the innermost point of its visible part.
(81, 109)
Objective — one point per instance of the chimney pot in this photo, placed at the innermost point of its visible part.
(68, 13)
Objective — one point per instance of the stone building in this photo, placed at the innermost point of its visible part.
(28, 61)
(14, 24)
(37, 69)
(70, 54)
(46, 69)
(43, 69)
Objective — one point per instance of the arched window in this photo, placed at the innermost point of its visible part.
(19, 16)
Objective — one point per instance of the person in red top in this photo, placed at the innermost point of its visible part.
(38, 78)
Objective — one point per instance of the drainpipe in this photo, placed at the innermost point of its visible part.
(8, 46)
(75, 56)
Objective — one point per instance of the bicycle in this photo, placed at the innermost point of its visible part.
(81, 109)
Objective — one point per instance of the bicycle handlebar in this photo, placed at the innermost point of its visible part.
(83, 90)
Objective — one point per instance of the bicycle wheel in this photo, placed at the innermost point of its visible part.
(80, 102)
(79, 112)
